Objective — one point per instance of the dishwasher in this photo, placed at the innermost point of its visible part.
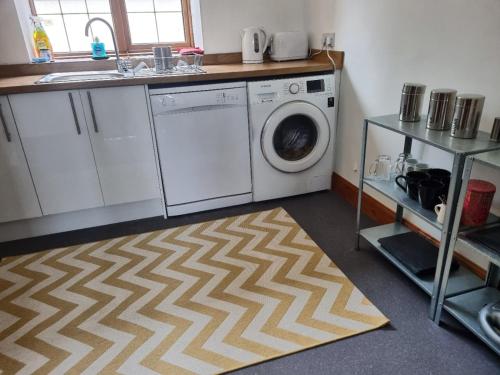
(202, 134)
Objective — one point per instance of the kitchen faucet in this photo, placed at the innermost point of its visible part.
(121, 66)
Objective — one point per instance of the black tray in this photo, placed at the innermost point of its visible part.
(415, 252)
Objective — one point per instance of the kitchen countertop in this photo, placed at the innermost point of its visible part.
(26, 84)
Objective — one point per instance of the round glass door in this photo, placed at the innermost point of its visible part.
(295, 137)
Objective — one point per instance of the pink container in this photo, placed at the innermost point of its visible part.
(478, 201)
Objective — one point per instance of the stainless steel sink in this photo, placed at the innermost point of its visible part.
(80, 76)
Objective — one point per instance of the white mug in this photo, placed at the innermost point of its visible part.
(440, 210)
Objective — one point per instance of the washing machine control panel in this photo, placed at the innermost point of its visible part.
(299, 88)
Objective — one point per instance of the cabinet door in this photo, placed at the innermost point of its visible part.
(120, 131)
(56, 142)
(18, 199)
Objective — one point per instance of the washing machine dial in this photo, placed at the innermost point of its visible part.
(294, 88)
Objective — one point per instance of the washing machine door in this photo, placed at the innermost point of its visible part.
(295, 137)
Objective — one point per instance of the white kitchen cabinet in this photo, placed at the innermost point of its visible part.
(120, 132)
(56, 143)
(18, 198)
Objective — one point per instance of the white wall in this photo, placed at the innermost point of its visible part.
(319, 19)
(12, 39)
(222, 20)
(444, 43)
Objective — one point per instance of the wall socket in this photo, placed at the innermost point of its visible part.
(328, 41)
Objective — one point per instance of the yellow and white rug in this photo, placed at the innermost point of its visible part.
(204, 298)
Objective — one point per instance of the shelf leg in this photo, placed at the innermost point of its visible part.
(462, 168)
(362, 162)
(406, 150)
(493, 276)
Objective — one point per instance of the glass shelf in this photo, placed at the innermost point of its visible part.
(393, 192)
(462, 279)
(439, 139)
(396, 194)
(491, 159)
(465, 308)
(464, 242)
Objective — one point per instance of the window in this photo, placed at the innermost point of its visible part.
(138, 24)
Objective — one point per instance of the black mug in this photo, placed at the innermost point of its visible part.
(441, 175)
(412, 181)
(429, 193)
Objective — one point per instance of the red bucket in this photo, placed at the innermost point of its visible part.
(478, 201)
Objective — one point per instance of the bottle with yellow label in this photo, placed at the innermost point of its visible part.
(43, 48)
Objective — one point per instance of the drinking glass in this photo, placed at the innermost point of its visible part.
(380, 169)
(410, 166)
(399, 164)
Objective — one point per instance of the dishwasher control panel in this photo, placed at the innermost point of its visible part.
(228, 97)
(182, 99)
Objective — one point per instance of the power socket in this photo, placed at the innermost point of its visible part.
(328, 41)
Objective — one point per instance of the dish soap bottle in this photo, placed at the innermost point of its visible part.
(43, 48)
(98, 50)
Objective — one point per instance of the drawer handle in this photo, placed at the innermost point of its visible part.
(75, 117)
(4, 125)
(92, 112)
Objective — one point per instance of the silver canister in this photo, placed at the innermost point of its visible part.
(441, 106)
(411, 102)
(467, 116)
(495, 132)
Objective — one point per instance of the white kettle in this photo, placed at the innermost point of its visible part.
(254, 43)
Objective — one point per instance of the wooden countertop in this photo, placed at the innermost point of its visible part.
(26, 84)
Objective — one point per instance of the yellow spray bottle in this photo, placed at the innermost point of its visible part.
(43, 48)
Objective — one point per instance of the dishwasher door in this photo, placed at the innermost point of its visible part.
(203, 142)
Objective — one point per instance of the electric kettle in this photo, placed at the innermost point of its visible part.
(253, 44)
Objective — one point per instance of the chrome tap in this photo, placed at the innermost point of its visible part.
(121, 66)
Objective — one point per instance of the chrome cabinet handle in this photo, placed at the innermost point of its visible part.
(4, 125)
(92, 112)
(75, 117)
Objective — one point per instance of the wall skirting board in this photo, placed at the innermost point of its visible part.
(381, 214)
(94, 217)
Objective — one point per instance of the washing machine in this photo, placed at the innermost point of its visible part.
(292, 123)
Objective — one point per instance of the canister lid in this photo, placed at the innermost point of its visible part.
(469, 99)
(443, 94)
(481, 186)
(413, 88)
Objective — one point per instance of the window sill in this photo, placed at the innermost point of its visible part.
(63, 59)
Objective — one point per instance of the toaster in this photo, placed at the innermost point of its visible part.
(292, 45)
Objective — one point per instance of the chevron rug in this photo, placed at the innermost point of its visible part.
(204, 298)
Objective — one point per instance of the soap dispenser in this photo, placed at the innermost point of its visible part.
(98, 50)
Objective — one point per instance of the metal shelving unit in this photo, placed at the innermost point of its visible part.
(466, 305)
(462, 280)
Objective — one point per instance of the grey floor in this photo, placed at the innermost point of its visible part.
(412, 344)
